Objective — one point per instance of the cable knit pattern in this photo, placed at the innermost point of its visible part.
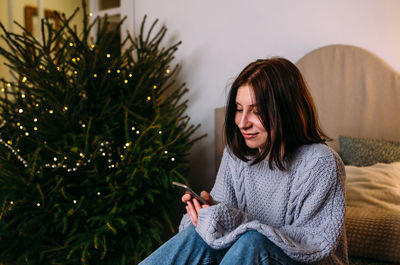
(301, 210)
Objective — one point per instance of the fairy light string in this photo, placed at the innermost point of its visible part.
(104, 150)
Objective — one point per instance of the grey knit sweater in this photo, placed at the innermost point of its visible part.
(301, 210)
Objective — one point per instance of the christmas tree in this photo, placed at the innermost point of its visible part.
(91, 139)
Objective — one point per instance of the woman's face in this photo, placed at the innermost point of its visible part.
(248, 120)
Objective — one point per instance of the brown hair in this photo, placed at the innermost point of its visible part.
(285, 106)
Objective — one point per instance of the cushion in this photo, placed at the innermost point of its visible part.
(373, 234)
(376, 186)
(365, 261)
(365, 152)
(373, 211)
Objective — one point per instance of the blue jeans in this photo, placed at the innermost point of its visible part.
(187, 247)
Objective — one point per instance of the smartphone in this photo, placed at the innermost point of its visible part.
(185, 189)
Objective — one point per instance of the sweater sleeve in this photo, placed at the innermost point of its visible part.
(314, 219)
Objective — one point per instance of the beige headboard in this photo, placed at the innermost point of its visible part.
(355, 92)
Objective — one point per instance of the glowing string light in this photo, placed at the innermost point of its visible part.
(13, 151)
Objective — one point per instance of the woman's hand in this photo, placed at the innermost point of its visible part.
(193, 206)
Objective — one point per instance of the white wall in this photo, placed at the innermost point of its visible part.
(63, 6)
(220, 37)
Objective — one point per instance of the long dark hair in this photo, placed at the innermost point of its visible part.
(285, 106)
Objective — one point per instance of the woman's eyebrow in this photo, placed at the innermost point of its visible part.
(252, 105)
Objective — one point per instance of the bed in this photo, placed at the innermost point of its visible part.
(357, 96)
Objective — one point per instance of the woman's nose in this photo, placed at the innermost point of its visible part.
(244, 121)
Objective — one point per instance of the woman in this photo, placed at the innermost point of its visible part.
(279, 195)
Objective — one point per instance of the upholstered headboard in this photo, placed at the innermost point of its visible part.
(355, 92)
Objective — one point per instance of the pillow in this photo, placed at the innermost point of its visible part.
(376, 186)
(366, 152)
(374, 235)
(373, 211)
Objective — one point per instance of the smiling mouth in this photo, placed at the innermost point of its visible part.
(249, 135)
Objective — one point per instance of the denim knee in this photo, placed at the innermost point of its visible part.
(257, 248)
(252, 238)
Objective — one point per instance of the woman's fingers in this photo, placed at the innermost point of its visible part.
(206, 196)
(191, 216)
(186, 197)
(196, 204)
(193, 206)
(192, 212)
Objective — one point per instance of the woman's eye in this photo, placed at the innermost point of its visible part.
(239, 110)
(256, 112)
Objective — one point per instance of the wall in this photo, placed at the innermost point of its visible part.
(65, 6)
(221, 37)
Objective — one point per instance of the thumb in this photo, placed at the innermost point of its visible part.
(206, 196)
